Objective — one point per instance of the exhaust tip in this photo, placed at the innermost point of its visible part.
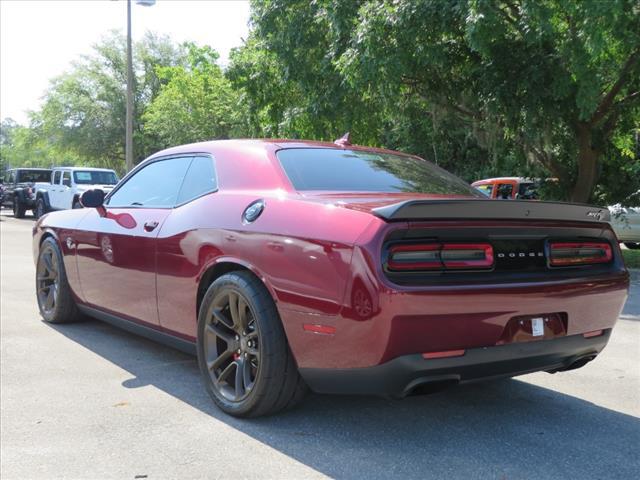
(428, 387)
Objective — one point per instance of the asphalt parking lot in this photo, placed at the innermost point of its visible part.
(90, 401)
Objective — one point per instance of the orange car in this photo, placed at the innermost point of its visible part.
(508, 188)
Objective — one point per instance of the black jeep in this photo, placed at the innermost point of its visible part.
(19, 192)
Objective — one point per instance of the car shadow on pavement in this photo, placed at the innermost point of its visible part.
(497, 429)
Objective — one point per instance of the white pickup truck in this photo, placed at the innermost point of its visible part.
(66, 186)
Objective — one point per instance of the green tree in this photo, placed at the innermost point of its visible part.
(559, 79)
(548, 88)
(196, 102)
(84, 109)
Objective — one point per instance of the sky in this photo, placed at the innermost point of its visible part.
(40, 39)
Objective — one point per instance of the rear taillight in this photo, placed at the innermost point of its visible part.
(563, 254)
(440, 256)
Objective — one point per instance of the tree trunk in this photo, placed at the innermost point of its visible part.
(587, 165)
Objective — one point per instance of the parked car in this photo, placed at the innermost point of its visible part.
(508, 188)
(66, 184)
(20, 188)
(292, 264)
(626, 221)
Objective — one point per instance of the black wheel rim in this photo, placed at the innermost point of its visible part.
(48, 275)
(231, 346)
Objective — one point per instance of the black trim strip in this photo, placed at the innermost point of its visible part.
(491, 209)
(144, 331)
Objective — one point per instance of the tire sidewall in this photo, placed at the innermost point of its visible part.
(39, 211)
(244, 407)
(49, 243)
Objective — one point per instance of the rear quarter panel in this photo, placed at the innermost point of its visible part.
(301, 251)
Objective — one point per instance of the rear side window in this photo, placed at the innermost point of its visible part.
(332, 169)
(505, 191)
(94, 177)
(199, 180)
(155, 185)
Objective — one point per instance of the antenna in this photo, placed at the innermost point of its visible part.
(344, 141)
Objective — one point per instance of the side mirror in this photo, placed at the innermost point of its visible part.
(92, 198)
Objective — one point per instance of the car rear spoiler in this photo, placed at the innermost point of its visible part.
(491, 209)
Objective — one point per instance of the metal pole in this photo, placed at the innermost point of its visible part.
(129, 126)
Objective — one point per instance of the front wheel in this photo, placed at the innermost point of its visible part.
(244, 357)
(53, 293)
(40, 209)
(632, 246)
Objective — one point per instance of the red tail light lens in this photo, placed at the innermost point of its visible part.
(439, 256)
(562, 254)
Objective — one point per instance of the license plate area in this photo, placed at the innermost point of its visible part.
(530, 328)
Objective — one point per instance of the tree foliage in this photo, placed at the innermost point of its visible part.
(549, 88)
(542, 88)
(196, 102)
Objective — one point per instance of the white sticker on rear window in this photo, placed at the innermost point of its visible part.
(537, 327)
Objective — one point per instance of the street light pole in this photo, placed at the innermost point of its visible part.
(128, 142)
(128, 147)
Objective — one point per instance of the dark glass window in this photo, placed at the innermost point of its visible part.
(94, 177)
(505, 191)
(155, 185)
(486, 189)
(332, 169)
(56, 177)
(66, 178)
(200, 179)
(34, 176)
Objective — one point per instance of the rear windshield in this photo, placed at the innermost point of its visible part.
(332, 169)
(94, 178)
(33, 176)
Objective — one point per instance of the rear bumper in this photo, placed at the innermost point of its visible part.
(403, 374)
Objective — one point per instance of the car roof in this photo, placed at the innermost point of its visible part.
(266, 143)
(252, 163)
(93, 169)
(503, 179)
(39, 169)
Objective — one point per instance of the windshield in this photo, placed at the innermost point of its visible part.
(89, 177)
(332, 169)
(33, 176)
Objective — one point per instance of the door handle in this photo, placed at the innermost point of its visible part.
(150, 226)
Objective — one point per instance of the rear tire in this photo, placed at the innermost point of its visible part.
(632, 246)
(19, 209)
(245, 360)
(53, 293)
(76, 204)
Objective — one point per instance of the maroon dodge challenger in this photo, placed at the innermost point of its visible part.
(295, 265)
